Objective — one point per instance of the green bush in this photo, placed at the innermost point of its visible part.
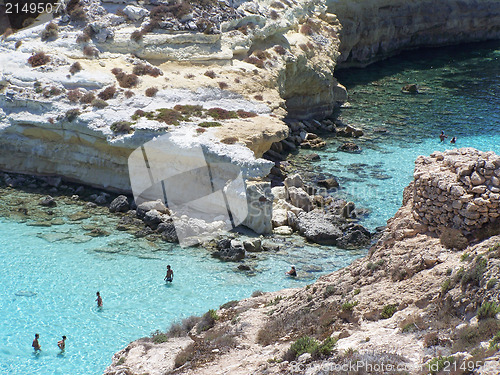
(221, 114)
(446, 286)
(474, 275)
(495, 341)
(229, 304)
(487, 310)
(207, 320)
(122, 127)
(349, 306)
(439, 363)
(169, 116)
(326, 347)
(159, 337)
(388, 311)
(303, 345)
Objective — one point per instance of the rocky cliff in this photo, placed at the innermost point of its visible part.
(375, 30)
(415, 301)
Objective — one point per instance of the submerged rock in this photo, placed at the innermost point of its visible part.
(48, 201)
(349, 147)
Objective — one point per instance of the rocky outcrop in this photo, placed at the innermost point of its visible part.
(378, 29)
(457, 189)
(410, 303)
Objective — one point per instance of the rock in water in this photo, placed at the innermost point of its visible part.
(48, 201)
(328, 183)
(349, 147)
(318, 227)
(119, 204)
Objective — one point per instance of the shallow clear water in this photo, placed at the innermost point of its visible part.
(460, 94)
(65, 268)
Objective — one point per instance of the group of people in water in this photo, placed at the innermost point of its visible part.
(169, 277)
(61, 343)
(37, 347)
(443, 136)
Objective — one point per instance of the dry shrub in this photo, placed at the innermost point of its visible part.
(116, 71)
(431, 339)
(87, 98)
(76, 11)
(129, 94)
(108, 93)
(470, 336)
(210, 74)
(151, 91)
(189, 110)
(255, 61)
(99, 103)
(221, 114)
(306, 29)
(51, 120)
(412, 323)
(229, 140)
(75, 67)
(304, 47)
(237, 80)
(53, 91)
(90, 51)
(185, 355)
(18, 44)
(137, 36)
(223, 85)
(262, 55)
(51, 32)
(280, 50)
(258, 97)
(74, 95)
(310, 45)
(122, 127)
(200, 130)
(277, 5)
(143, 69)
(244, 114)
(82, 38)
(274, 15)
(38, 59)
(72, 114)
(303, 322)
(127, 80)
(189, 76)
(169, 116)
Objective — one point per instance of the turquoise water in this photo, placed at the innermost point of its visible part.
(460, 94)
(65, 268)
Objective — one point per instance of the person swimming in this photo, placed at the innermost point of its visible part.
(292, 272)
(453, 140)
(442, 136)
(170, 275)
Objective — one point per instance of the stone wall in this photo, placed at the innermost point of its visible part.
(457, 188)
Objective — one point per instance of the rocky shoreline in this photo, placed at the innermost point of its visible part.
(420, 298)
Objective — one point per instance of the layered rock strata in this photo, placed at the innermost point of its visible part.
(457, 188)
(375, 30)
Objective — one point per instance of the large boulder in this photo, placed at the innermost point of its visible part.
(151, 205)
(299, 198)
(350, 147)
(152, 219)
(260, 207)
(230, 250)
(294, 181)
(135, 13)
(119, 204)
(355, 236)
(279, 217)
(319, 227)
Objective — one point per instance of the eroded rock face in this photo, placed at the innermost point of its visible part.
(377, 29)
(457, 189)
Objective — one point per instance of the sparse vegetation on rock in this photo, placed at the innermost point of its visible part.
(38, 59)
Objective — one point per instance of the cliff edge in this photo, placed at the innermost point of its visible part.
(417, 300)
